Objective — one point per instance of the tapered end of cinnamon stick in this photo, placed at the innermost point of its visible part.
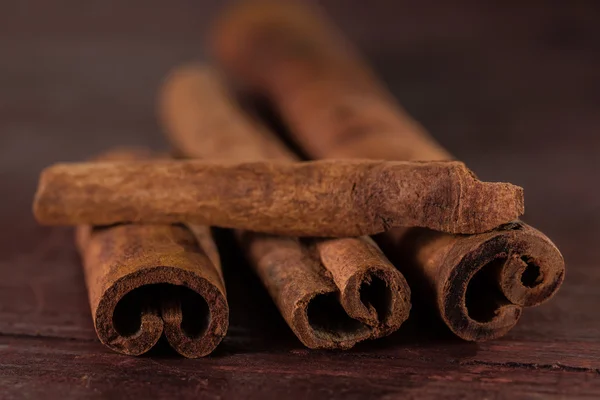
(483, 206)
(444, 196)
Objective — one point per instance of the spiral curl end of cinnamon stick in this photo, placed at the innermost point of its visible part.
(145, 281)
(371, 289)
(330, 300)
(483, 281)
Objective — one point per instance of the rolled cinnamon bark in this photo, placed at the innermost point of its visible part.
(332, 293)
(145, 281)
(335, 107)
(320, 198)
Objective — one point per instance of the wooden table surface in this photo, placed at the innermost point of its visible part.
(512, 90)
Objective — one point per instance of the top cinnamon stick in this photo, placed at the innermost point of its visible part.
(321, 198)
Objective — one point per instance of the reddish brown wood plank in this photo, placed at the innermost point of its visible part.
(35, 367)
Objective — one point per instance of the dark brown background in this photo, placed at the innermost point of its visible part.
(513, 90)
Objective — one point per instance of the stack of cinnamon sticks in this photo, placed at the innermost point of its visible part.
(448, 240)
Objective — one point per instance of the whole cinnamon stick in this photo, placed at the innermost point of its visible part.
(332, 293)
(335, 107)
(145, 281)
(320, 198)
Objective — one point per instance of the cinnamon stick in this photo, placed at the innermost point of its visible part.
(332, 293)
(146, 281)
(320, 198)
(335, 107)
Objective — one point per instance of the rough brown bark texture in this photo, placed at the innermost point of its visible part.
(148, 280)
(335, 107)
(334, 198)
(332, 293)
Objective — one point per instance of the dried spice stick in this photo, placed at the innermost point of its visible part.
(148, 280)
(335, 107)
(333, 293)
(319, 198)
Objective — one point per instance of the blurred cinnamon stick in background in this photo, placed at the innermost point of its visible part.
(332, 293)
(334, 107)
(320, 198)
(144, 281)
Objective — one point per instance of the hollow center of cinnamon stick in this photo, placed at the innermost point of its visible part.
(532, 276)
(150, 299)
(329, 320)
(375, 293)
(483, 296)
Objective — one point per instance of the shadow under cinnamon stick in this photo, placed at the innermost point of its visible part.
(334, 107)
